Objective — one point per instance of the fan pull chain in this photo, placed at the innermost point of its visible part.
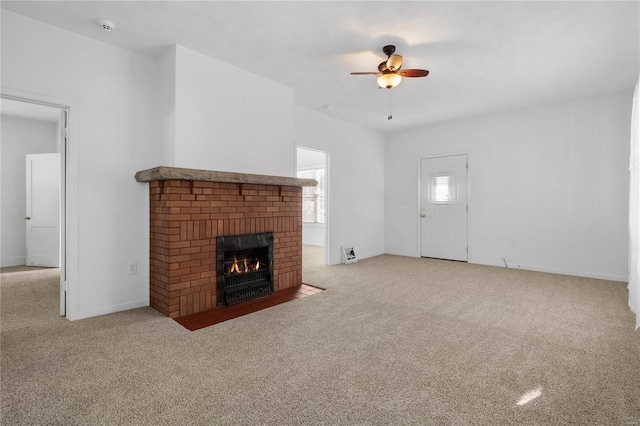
(390, 116)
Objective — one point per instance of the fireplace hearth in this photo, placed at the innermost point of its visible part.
(244, 267)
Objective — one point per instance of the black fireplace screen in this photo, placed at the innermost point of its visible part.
(244, 267)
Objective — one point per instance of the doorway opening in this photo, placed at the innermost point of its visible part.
(33, 155)
(313, 164)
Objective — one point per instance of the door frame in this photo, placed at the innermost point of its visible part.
(419, 198)
(68, 195)
(327, 192)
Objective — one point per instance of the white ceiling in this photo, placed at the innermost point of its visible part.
(482, 56)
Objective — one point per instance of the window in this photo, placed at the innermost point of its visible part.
(442, 189)
(313, 197)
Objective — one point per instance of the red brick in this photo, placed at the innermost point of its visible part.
(185, 218)
(202, 184)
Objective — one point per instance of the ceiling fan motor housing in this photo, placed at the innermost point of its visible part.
(389, 49)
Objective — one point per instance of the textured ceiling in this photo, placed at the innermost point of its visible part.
(482, 56)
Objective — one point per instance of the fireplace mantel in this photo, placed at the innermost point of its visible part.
(177, 173)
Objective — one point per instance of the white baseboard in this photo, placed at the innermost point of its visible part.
(405, 254)
(360, 256)
(499, 264)
(368, 255)
(585, 274)
(111, 309)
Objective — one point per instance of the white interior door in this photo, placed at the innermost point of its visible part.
(43, 210)
(443, 207)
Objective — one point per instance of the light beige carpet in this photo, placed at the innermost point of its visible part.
(392, 340)
(312, 256)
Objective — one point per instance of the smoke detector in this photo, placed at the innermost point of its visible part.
(106, 25)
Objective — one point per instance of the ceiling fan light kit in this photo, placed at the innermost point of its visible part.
(389, 72)
(389, 80)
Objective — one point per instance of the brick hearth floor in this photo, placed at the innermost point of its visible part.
(214, 316)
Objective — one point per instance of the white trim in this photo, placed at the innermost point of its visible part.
(313, 224)
(112, 309)
(327, 208)
(418, 204)
(304, 169)
(69, 209)
(551, 270)
(397, 253)
(368, 255)
(498, 264)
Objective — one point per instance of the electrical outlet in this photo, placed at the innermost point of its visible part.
(133, 268)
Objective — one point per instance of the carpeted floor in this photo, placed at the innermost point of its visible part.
(392, 340)
(312, 256)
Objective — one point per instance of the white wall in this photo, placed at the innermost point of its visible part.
(355, 178)
(553, 179)
(231, 120)
(167, 103)
(115, 132)
(313, 234)
(20, 136)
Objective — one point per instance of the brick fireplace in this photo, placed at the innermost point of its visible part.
(190, 209)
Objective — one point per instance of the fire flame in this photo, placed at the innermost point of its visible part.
(234, 267)
(246, 267)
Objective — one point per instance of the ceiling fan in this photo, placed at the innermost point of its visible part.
(389, 72)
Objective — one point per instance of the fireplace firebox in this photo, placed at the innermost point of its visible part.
(244, 267)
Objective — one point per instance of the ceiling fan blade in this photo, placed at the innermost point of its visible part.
(414, 73)
(366, 73)
(394, 62)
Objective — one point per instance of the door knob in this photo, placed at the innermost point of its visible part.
(27, 218)
(423, 215)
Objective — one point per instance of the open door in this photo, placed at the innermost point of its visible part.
(43, 210)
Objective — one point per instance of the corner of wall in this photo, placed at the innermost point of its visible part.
(167, 96)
